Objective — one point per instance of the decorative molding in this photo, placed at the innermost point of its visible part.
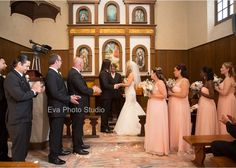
(83, 1)
(139, 1)
(82, 31)
(141, 31)
(112, 31)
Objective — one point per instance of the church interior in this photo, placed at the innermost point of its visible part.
(152, 33)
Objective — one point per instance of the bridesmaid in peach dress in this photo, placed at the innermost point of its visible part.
(179, 111)
(207, 123)
(227, 100)
(156, 128)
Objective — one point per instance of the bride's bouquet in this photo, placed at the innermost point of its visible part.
(147, 87)
(217, 80)
(170, 83)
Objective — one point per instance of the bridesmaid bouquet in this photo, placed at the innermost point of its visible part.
(147, 87)
(217, 80)
(196, 86)
(170, 83)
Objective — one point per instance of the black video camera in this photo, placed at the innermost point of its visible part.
(38, 48)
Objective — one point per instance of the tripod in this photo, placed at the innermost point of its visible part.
(36, 62)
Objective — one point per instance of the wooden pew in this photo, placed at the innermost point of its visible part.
(200, 143)
(18, 164)
(221, 161)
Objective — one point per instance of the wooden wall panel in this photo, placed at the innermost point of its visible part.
(10, 50)
(212, 54)
(168, 59)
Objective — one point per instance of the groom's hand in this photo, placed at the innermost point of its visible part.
(116, 86)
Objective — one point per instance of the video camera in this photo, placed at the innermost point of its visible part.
(38, 48)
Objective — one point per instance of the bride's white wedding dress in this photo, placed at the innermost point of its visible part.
(128, 121)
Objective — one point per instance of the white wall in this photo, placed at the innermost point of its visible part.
(220, 30)
(197, 23)
(180, 25)
(19, 28)
(171, 20)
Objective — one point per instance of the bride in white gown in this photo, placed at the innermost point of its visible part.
(128, 121)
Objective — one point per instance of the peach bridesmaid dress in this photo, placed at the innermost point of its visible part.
(180, 121)
(207, 122)
(226, 104)
(156, 128)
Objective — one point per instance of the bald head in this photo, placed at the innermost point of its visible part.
(78, 63)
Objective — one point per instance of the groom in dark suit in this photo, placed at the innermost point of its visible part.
(77, 86)
(19, 113)
(58, 101)
(107, 85)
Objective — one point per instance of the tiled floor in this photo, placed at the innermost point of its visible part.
(110, 150)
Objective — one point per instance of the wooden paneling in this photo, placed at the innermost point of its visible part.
(168, 59)
(212, 54)
(10, 50)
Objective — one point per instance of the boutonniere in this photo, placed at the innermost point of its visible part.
(4, 76)
(27, 78)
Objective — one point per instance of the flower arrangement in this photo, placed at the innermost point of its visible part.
(196, 86)
(170, 83)
(217, 80)
(147, 87)
(27, 78)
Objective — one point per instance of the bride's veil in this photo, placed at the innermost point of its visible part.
(135, 69)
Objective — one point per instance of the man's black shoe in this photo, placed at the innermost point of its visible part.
(56, 161)
(85, 146)
(64, 153)
(106, 131)
(81, 152)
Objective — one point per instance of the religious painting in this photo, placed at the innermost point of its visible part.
(139, 15)
(112, 51)
(140, 61)
(111, 13)
(85, 53)
(140, 56)
(83, 15)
